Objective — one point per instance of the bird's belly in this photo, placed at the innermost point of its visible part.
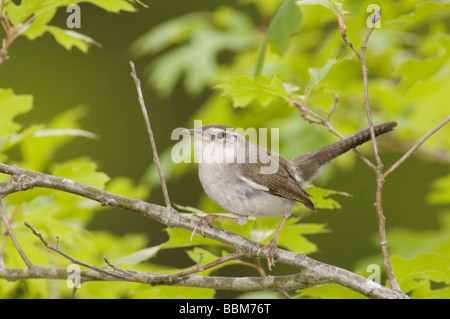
(239, 198)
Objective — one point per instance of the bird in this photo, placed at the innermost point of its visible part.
(246, 179)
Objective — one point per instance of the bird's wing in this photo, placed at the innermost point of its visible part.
(284, 182)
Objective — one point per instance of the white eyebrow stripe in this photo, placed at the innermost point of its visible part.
(253, 184)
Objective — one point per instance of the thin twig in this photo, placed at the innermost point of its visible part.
(137, 82)
(13, 237)
(343, 30)
(219, 261)
(74, 290)
(131, 275)
(415, 147)
(362, 58)
(317, 119)
(73, 260)
(333, 107)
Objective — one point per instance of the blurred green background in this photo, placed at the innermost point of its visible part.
(100, 81)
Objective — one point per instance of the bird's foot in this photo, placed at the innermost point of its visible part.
(205, 221)
(268, 251)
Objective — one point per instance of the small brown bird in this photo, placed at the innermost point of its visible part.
(249, 180)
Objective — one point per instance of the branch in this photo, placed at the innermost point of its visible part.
(311, 272)
(11, 32)
(300, 280)
(379, 166)
(73, 260)
(221, 260)
(415, 147)
(137, 82)
(13, 237)
(313, 117)
(362, 58)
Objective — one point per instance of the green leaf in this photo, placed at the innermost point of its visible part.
(138, 256)
(291, 236)
(285, 22)
(321, 197)
(69, 38)
(114, 5)
(81, 170)
(338, 75)
(334, 6)
(317, 74)
(244, 90)
(169, 33)
(9, 141)
(423, 291)
(19, 13)
(195, 60)
(38, 149)
(43, 11)
(38, 27)
(64, 132)
(427, 266)
(201, 38)
(408, 243)
(423, 11)
(181, 238)
(12, 105)
(413, 71)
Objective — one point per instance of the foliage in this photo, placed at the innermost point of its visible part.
(295, 54)
(35, 16)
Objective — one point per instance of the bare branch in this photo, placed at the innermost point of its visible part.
(415, 147)
(343, 30)
(13, 237)
(137, 82)
(219, 261)
(333, 107)
(362, 58)
(317, 119)
(73, 260)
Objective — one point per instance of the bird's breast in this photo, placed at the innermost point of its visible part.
(224, 186)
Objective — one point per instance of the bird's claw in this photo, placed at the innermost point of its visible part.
(268, 251)
(205, 220)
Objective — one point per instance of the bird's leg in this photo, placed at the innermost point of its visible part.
(208, 219)
(272, 244)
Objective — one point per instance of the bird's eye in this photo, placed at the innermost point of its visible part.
(220, 135)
